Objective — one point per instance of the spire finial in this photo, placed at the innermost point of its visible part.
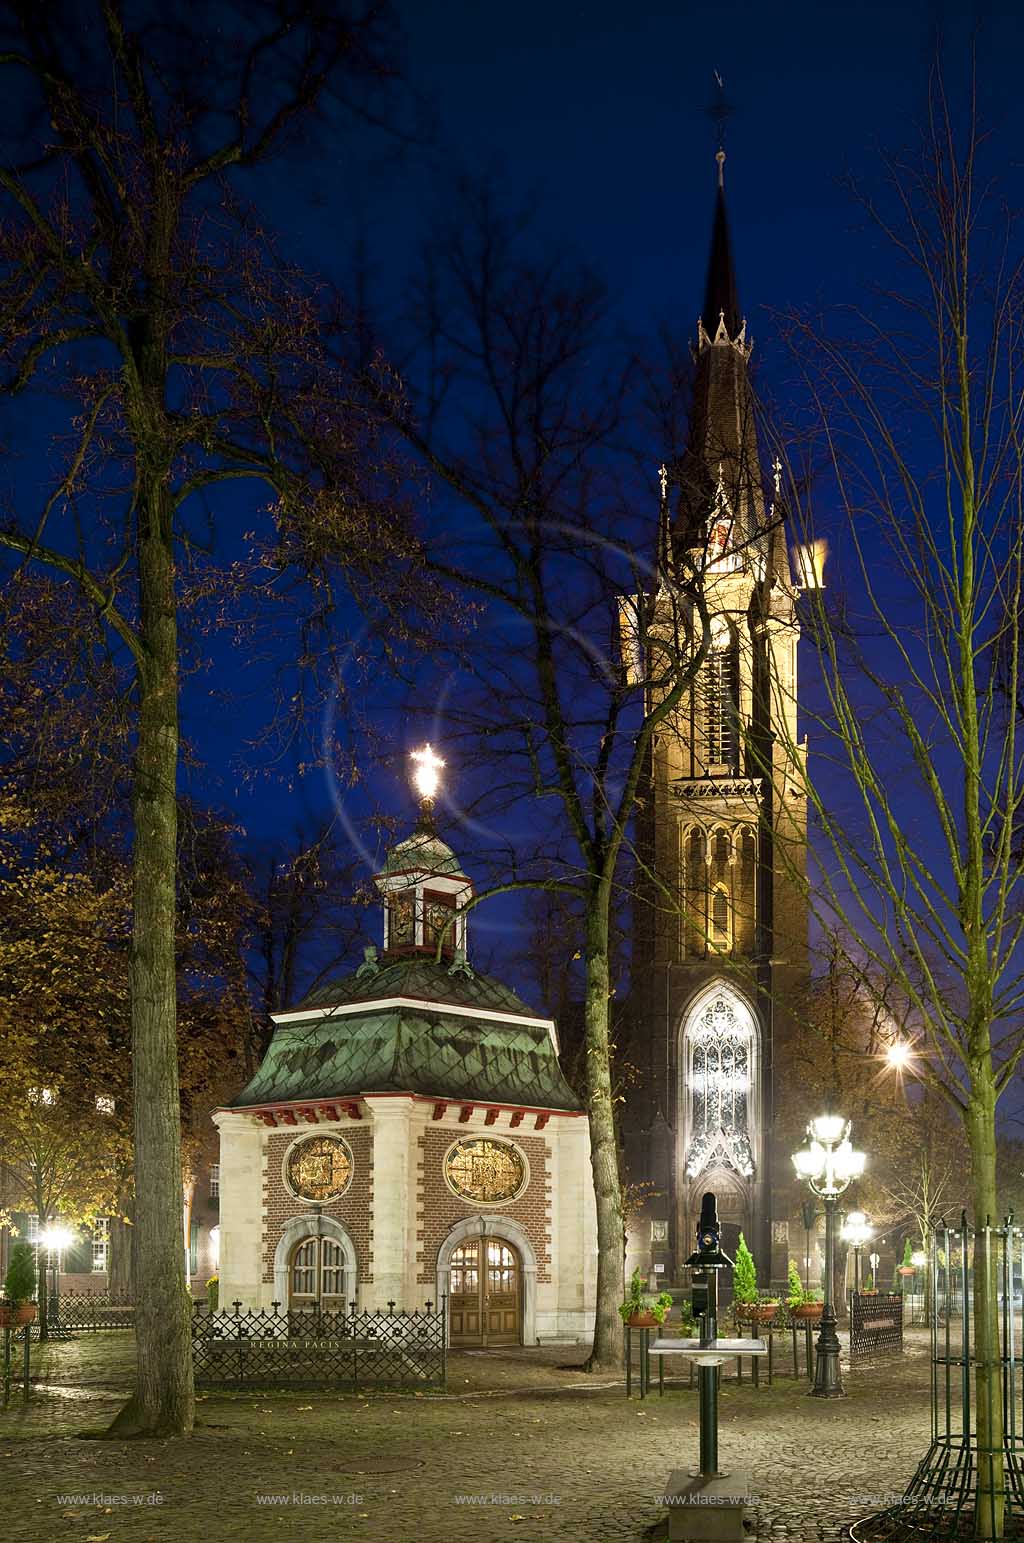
(425, 777)
(720, 158)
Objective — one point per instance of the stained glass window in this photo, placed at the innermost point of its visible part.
(485, 1170)
(320, 1168)
(719, 1071)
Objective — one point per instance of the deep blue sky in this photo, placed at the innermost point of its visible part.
(601, 110)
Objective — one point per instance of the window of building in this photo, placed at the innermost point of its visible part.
(32, 1228)
(438, 914)
(721, 677)
(720, 918)
(100, 1245)
(718, 1069)
(215, 1181)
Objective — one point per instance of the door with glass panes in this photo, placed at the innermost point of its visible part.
(316, 1277)
(484, 1288)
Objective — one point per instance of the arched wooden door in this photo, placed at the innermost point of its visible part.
(316, 1275)
(484, 1294)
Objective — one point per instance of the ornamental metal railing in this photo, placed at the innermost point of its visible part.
(75, 1312)
(312, 1349)
(876, 1323)
(970, 1482)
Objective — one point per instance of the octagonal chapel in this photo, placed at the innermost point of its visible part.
(410, 1137)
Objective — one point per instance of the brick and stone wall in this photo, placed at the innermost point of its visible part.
(353, 1209)
(438, 1209)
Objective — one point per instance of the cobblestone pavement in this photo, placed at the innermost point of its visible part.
(522, 1446)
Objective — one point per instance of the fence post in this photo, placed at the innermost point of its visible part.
(28, 1345)
(7, 1363)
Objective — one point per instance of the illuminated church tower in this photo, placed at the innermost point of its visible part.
(721, 936)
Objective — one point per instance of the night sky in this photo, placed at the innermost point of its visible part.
(601, 111)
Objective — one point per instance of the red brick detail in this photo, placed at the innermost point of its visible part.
(464, 1114)
(438, 1209)
(308, 1114)
(492, 1115)
(328, 1112)
(286, 1116)
(354, 1208)
(517, 1118)
(266, 1117)
(541, 1121)
(353, 1111)
(439, 1111)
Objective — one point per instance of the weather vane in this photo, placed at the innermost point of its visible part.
(720, 112)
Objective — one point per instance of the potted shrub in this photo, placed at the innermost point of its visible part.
(19, 1283)
(641, 1310)
(748, 1305)
(906, 1266)
(869, 1289)
(212, 1291)
(804, 1306)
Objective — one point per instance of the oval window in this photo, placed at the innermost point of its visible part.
(318, 1168)
(485, 1170)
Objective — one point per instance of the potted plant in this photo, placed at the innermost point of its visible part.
(212, 1292)
(804, 1306)
(869, 1289)
(906, 1267)
(640, 1310)
(748, 1305)
(19, 1283)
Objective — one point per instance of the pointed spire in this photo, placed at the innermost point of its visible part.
(721, 302)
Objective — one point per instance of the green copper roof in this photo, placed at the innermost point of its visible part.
(423, 849)
(411, 1050)
(419, 976)
(417, 1048)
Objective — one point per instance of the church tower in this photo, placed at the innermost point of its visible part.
(721, 933)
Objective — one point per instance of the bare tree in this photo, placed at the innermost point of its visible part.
(518, 392)
(917, 777)
(175, 352)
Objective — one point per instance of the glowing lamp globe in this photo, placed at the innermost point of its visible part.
(828, 1128)
(425, 777)
(809, 1161)
(898, 1055)
(57, 1238)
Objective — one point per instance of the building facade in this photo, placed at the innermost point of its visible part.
(721, 936)
(410, 1137)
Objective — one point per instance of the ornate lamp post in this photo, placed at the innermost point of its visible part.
(856, 1232)
(828, 1163)
(55, 1240)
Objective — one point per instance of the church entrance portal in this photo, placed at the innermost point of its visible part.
(484, 1294)
(316, 1275)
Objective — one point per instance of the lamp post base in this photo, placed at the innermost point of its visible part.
(827, 1381)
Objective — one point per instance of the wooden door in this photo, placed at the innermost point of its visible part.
(316, 1276)
(484, 1294)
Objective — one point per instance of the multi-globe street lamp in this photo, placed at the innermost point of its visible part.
(855, 1232)
(828, 1163)
(55, 1240)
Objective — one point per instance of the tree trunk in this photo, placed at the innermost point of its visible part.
(606, 1354)
(989, 1507)
(163, 1403)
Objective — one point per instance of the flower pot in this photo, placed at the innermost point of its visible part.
(756, 1312)
(14, 1317)
(641, 1321)
(807, 1312)
(906, 1269)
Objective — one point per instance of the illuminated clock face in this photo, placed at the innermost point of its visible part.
(485, 1170)
(319, 1169)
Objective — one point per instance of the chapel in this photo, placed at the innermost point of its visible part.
(410, 1136)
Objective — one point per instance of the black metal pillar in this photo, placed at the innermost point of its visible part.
(707, 1392)
(827, 1381)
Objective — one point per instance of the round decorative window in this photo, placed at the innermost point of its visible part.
(485, 1170)
(318, 1168)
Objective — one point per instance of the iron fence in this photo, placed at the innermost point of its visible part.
(313, 1349)
(876, 1323)
(969, 1485)
(75, 1312)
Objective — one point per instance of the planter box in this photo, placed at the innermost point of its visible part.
(807, 1312)
(14, 1317)
(641, 1321)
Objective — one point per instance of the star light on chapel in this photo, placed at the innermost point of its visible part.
(426, 774)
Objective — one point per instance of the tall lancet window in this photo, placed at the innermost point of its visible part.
(718, 1063)
(721, 697)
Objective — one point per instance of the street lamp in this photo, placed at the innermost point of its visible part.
(828, 1163)
(855, 1232)
(55, 1239)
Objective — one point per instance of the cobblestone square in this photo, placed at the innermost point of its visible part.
(523, 1445)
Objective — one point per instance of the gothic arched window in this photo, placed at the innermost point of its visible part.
(720, 930)
(696, 894)
(718, 1044)
(721, 697)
